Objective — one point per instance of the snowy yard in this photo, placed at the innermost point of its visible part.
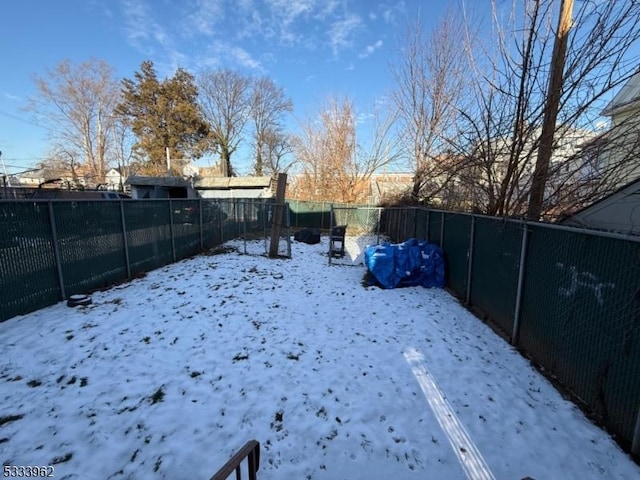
(168, 375)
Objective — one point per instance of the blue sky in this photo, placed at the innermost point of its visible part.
(312, 48)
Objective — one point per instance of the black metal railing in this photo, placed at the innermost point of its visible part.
(250, 451)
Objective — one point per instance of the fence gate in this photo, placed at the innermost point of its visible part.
(361, 228)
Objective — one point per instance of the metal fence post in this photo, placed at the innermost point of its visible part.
(330, 231)
(470, 266)
(201, 225)
(635, 444)
(221, 223)
(379, 226)
(516, 316)
(442, 231)
(125, 242)
(56, 250)
(427, 227)
(244, 225)
(173, 240)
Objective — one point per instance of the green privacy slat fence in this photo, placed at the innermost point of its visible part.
(457, 238)
(581, 319)
(52, 249)
(91, 244)
(28, 276)
(148, 227)
(569, 299)
(435, 225)
(310, 214)
(494, 273)
(318, 214)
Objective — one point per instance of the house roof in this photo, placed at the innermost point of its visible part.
(140, 180)
(226, 183)
(630, 188)
(627, 97)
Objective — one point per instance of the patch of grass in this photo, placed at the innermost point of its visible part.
(10, 418)
(276, 425)
(240, 356)
(34, 383)
(158, 396)
(221, 250)
(62, 459)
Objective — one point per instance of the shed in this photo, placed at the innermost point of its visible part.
(235, 187)
(160, 187)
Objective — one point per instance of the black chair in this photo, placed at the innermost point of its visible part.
(336, 241)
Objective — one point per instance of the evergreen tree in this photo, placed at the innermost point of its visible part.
(163, 114)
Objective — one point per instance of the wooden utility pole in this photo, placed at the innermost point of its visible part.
(541, 172)
(278, 211)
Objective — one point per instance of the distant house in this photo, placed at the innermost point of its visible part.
(79, 178)
(35, 177)
(624, 135)
(234, 187)
(389, 185)
(115, 178)
(618, 212)
(160, 187)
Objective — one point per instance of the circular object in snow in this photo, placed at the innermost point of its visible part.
(78, 300)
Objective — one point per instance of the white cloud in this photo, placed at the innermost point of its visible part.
(9, 96)
(136, 21)
(206, 14)
(245, 59)
(363, 118)
(220, 53)
(370, 49)
(341, 33)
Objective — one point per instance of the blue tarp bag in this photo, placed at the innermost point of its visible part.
(410, 263)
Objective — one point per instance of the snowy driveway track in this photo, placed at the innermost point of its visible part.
(165, 377)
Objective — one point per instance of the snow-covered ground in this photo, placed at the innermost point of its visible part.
(168, 375)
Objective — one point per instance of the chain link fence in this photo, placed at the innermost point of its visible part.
(569, 299)
(362, 228)
(51, 249)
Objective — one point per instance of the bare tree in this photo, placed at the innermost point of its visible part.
(225, 99)
(123, 150)
(268, 106)
(275, 153)
(334, 166)
(76, 103)
(501, 134)
(430, 86)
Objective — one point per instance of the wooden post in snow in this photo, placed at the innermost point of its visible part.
(278, 211)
